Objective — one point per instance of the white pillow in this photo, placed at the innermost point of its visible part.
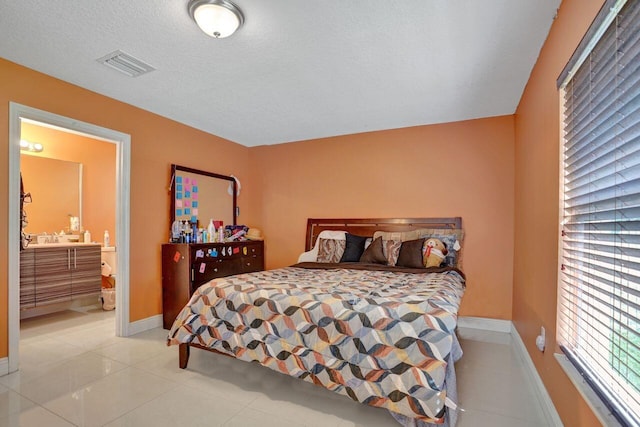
(312, 255)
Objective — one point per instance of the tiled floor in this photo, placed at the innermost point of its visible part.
(74, 371)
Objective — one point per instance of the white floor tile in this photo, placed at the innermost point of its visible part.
(104, 400)
(251, 417)
(68, 377)
(12, 403)
(23, 375)
(481, 335)
(165, 365)
(90, 338)
(47, 351)
(488, 357)
(132, 351)
(181, 406)
(475, 418)
(501, 393)
(35, 416)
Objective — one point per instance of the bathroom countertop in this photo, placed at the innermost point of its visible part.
(57, 245)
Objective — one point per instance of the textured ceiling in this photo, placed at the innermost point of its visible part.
(297, 69)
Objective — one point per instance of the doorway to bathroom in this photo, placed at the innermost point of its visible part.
(103, 156)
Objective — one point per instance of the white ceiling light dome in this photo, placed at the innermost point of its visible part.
(217, 18)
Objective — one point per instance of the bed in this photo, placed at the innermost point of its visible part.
(380, 331)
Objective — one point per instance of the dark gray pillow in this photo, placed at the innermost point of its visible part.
(354, 248)
(411, 254)
(373, 254)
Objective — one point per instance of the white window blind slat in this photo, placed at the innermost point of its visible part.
(599, 285)
(601, 125)
(581, 170)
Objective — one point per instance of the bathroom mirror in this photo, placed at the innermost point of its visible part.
(56, 193)
(201, 195)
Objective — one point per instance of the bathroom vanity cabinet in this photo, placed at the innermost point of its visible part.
(187, 266)
(54, 273)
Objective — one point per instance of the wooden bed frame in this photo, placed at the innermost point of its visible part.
(368, 226)
(360, 226)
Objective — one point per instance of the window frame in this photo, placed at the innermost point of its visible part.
(603, 407)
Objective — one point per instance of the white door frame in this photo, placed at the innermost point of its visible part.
(17, 112)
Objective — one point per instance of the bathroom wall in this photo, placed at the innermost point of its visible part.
(98, 160)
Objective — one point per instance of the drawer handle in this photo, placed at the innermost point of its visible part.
(215, 270)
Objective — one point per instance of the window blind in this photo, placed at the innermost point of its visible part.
(599, 282)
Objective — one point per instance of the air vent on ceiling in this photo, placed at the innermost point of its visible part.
(125, 63)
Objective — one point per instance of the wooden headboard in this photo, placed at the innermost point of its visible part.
(367, 226)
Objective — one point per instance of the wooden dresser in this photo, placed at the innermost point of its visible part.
(187, 266)
(53, 273)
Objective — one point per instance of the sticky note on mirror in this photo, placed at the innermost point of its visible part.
(194, 188)
(194, 196)
(194, 212)
(178, 179)
(178, 203)
(179, 187)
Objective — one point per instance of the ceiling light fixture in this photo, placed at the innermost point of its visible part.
(31, 146)
(217, 18)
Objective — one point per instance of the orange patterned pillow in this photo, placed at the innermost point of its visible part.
(391, 250)
(330, 250)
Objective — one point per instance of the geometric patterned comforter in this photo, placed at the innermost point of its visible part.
(379, 336)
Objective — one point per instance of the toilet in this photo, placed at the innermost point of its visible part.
(108, 257)
(109, 268)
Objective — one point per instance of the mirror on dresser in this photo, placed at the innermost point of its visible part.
(198, 195)
(187, 265)
(56, 193)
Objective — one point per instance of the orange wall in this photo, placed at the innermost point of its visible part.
(457, 169)
(98, 160)
(156, 142)
(537, 154)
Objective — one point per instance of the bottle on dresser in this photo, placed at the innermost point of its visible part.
(211, 230)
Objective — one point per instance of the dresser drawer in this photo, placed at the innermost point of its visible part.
(252, 263)
(208, 269)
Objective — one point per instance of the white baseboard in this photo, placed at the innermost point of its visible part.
(145, 324)
(495, 325)
(549, 410)
(4, 366)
